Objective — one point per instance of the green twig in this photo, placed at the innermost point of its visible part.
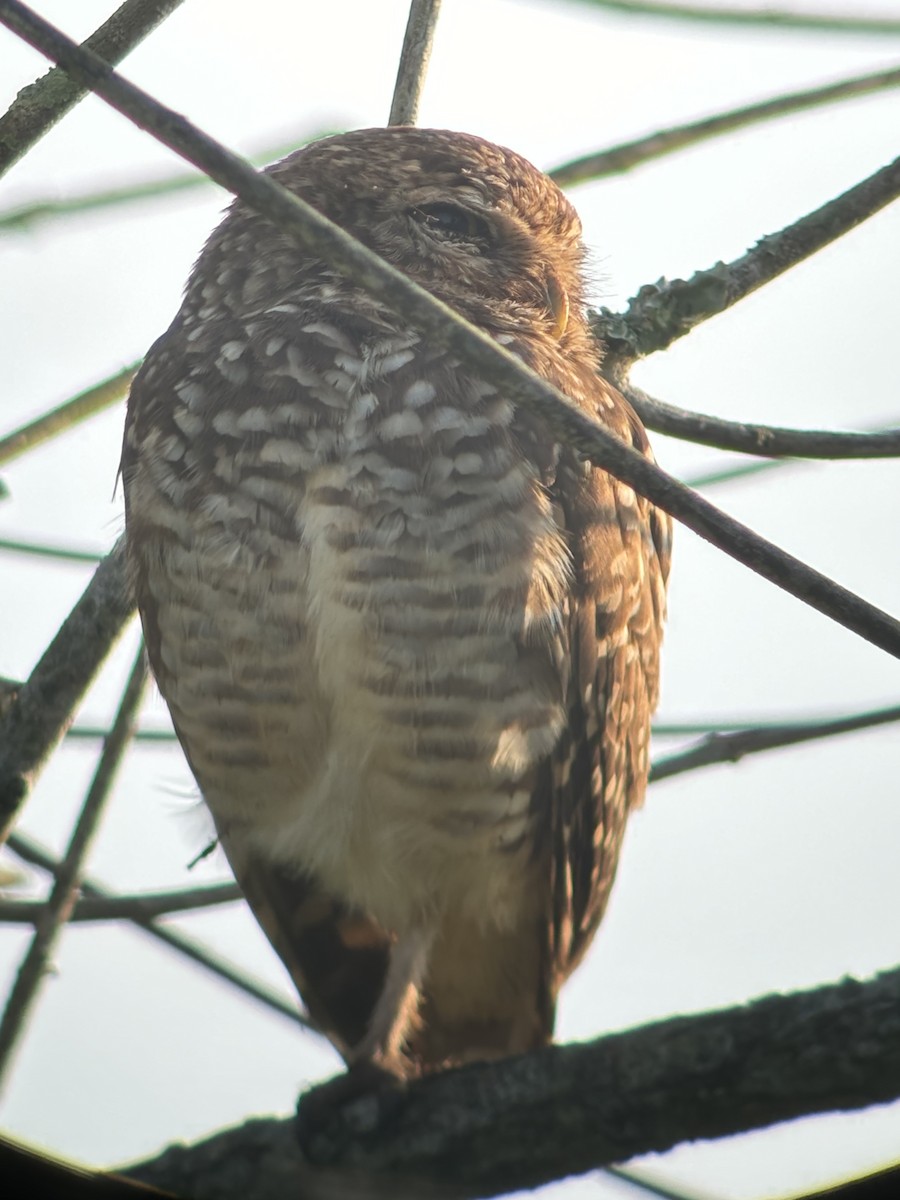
(62, 418)
(761, 17)
(627, 155)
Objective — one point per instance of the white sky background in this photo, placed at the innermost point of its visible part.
(773, 875)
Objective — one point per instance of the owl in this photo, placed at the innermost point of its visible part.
(409, 641)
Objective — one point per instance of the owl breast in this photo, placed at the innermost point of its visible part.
(356, 582)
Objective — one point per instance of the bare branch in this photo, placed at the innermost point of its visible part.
(145, 907)
(663, 312)
(777, 18)
(64, 893)
(733, 746)
(448, 330)
(151, 737)
(767, 441)
(492, 1128)
(68, 414)
(414, 59)
(627, 155)
(24, 217)
(30, 852)
(42, 550)
(43, 707)
(727, 474)
(38, 107)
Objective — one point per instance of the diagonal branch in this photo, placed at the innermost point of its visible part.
(822, 22)
(38, 107)
(43, 707)
(492, 1128)
(33, 969)
(732, 746)
(624, 157)
(204, 957)
(23, 218)
(71, 412)
(448, 330)
(663, 312)
(414, 58)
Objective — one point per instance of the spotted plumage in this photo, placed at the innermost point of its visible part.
(409, 643)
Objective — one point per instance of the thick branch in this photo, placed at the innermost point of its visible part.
(663, 312)
(718, 14)
(448, 330)
(767, 441)
(627, 155)
(732, 746)
(141, 907)
(43, 707)
(39, 106)
(491, 1128)
(414, 58)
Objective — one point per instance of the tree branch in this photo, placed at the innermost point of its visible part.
(624, 157)
(30, 852)
(766, 441)
(663, 312)
(146, 907)
(55, 912)
(71, 412)
(60, 553)
(414, 58)
(777, 18)
(448, 330)
(497, 1127)
(731, 747)
(43, 707)
(38, 107)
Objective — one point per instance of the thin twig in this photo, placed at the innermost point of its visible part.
(414, 59)
(663, 312)
(151, 737)
(43, 707)
(767, 441)
(715, 476)
(38, 107)
(146, 907)
(63, 895)
(30, 852)
(68, 414)
(778, 18)
(624, 157)
(42, 550)
(448, 330)
(26, 216)
(731, 747)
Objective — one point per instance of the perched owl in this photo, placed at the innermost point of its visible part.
(409, 642)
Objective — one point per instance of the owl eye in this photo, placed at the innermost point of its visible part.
(452, 221)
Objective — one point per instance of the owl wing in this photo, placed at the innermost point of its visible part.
(620, 547)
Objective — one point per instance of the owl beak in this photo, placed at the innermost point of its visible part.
(558, 303)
